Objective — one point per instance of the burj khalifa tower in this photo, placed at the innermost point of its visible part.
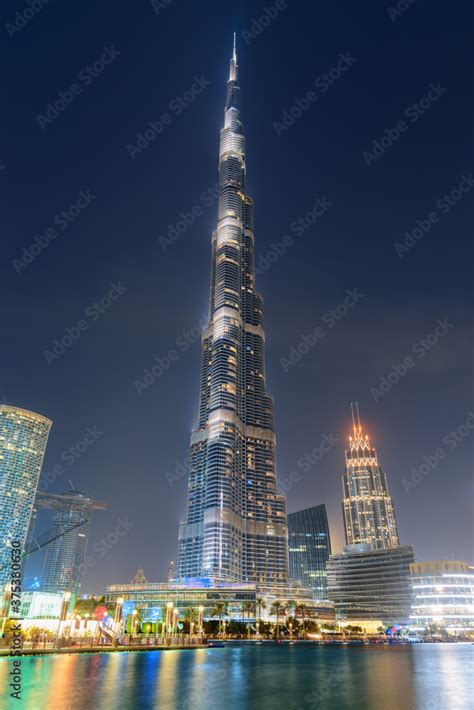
(236, 527)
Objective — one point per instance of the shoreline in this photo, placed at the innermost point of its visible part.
(6, 653)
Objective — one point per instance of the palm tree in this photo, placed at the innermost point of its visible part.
(190, 616)
(220, 610)
(248, 607)
(303, 609)
(260, 604)
(277, 609)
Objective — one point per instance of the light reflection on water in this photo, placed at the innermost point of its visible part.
(419, 677)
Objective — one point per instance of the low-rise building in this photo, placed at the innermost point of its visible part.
(151, 598)
(368, 583)
(443, 596)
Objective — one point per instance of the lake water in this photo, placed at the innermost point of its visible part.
(418, 677)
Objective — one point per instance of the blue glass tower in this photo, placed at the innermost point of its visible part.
(23, 439)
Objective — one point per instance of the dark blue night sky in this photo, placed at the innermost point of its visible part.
(358, 120)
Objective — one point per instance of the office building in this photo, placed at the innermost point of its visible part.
(369, 583)
(23, 439)
(309, 547)
(443, 597)
(368, 511)
(64, 561)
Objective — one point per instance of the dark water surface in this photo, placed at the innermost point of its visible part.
(419, 677)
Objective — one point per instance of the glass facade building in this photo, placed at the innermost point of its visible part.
(152, 598)
(443, 596)
(368, 511)
(64, 557)
(23, 439)
(236, 529)
(368, 583)
(309, 547)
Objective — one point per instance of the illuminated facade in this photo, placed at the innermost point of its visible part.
(235, 529)
(152, 597)
(368, 511)
(65, 555)
(309, 546)
(444, 596)
(23, 439)
(40, 605)
(368, 583)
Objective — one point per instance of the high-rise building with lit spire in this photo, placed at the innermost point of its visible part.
(236, 527)
(368, 511)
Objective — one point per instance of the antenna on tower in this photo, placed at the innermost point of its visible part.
(234, 54)
(357, 410)
(353, 420)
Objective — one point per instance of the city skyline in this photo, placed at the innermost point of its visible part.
(142, 298)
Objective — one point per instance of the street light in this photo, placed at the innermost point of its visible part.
(118, 614)
(169, 614)
(7, 596)
(63, 613)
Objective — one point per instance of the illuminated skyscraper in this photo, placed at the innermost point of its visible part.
(23, 439)
(367, 507)
(65, 555)
(309, 546)
(236, 522)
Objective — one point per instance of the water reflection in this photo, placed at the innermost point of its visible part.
(421, 677)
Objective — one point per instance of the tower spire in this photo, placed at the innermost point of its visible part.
(353, 420)
(233, 61)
